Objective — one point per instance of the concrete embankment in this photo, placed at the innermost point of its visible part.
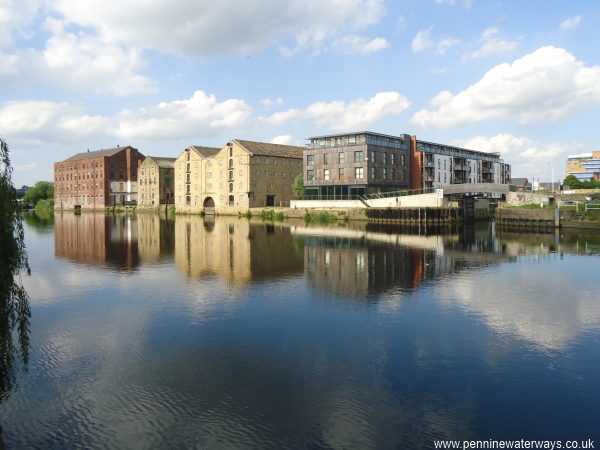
(543, 217)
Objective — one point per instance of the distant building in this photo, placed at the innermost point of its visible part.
(241, 175)
(156, 182)
(365, 162)
(585, 167)
(520, 184)
(97, 179)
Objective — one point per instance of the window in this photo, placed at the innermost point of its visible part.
(230, 187)
(444, 164)
(310, 160)
(372, 172)
(326, 159)
(326, 174)
(384, 158)
(359, 157)
(392, 158)
(393, 174)
(341, 157)
(385, 173)
(352, 139)
(358, 172)
(402, 159)
(310, 175)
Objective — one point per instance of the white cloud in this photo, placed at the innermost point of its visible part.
(77, 61)
(489, 45)
(285, 139)
(268, 102)
(200, 115)
(445, 44)
(545, 85)
(422, 41)
(361, 45)
(207, 28)
(527, 157)
(339, 115)
(467, 3)
(571, 23)
(16, 16)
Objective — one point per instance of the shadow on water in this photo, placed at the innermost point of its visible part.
(14, 302)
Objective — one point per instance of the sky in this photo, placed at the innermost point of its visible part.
(518, 77)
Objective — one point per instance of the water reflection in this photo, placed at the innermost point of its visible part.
(97, 239)
(458, 335)
(156, 237)
(236, 250)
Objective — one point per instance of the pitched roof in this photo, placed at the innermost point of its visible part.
(265, 149)
(105, 152)
(161, 161)
(206, 152)
(519, 181)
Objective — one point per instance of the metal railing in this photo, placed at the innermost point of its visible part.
(592, 206)
(402, 193)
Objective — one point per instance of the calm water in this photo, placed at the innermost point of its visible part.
(154, 333)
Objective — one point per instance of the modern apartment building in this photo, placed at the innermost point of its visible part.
(585, 167)
(435, 165)
(97, 179)
(241, 175)
(364, 162)
(356, 164)
(156, 182)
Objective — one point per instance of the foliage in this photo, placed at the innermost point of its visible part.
(43, 190)
(322, 217)
(172, 211)
(272, 215)
(14, 301)
(298, 185)
(247, 214)
(574, 183)
(44, 206)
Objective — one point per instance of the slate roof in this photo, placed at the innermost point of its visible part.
(520, 181)
(105, 152)
(206, 152)
(167, 163)
(265, 149)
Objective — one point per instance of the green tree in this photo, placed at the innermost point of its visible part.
(14, 301)
(572, 182)
(43, 190)
(298, 185)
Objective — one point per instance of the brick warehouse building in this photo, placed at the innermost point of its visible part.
(97, 179)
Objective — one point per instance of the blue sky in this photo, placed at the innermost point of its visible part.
(522, 78)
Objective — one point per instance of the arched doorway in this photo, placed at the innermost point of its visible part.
(209, 205)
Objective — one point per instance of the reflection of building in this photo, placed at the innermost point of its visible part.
(156, 237)
(97, 179)
(241, 175)
(585, 167)
(236, 250)
(97, 239)
(156, 182)
(349, 267)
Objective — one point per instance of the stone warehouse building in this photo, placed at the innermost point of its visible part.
(241, 175)
(156, 182)
(359, 163)
(97, 179)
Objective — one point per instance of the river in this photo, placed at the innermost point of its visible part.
(148, 332)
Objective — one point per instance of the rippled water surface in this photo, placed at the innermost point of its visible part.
(225, 333)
